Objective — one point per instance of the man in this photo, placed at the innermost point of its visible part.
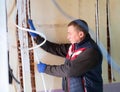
(82, 70)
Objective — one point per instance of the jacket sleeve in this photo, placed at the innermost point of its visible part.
(53, 48)
(86, 61)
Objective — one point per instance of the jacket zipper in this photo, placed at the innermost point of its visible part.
(68, 80)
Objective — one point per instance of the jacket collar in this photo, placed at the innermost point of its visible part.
(83, 43)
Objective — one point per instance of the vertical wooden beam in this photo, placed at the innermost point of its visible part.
(4, 84)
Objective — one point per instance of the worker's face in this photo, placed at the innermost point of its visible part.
(74, 35)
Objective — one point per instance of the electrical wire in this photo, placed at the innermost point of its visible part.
(35, 52)
(37, 59)
(9, 12)
(61, 10)
(10, 71)
(34, 47)
(103, 49)
(36, 32)
(16, 80)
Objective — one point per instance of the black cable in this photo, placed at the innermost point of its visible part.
(11, 75)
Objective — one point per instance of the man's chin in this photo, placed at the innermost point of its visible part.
(72, 42)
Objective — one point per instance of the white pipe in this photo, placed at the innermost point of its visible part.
(29, 30)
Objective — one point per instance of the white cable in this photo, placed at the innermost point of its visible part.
(37, 59)
(44, 85)
(61, 11)
(34, 47)
(29, 30)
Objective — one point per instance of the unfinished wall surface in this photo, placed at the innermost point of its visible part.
(52, 19)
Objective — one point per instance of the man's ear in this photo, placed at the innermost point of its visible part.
(81, 34)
